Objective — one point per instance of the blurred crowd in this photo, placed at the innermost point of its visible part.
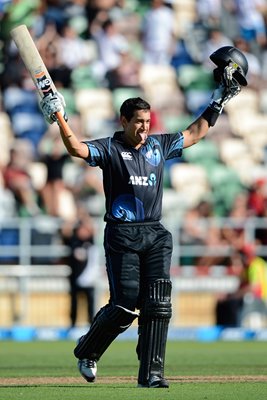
(100, 52)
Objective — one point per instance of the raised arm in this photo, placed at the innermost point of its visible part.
(227, 88)
(230, 75)
(55, 103)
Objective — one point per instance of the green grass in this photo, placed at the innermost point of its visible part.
(184, 360)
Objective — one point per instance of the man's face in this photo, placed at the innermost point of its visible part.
(136, 130)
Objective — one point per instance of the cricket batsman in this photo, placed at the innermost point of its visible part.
(138, 248)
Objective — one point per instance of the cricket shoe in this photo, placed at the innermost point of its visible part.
(87, 369)
(155, 382)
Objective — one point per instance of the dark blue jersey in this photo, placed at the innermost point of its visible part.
(133, 179)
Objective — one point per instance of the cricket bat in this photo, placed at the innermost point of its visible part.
(36, 67)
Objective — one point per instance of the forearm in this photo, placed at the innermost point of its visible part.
(199, 128)
(74, 147)
(196, 131)
(53, 110)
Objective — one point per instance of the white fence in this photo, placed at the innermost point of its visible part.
(30, 266)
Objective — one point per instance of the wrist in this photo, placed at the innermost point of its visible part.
(210, 115)
(215, 106)
(64, 115)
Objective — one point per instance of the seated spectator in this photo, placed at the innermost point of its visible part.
(209, 11)
(111, 46)
(255, 77)
(49, 48)
(126, 74)
(257, 199)
(197, 229)
(53, 154)
(9, 236)
(251, 294)
(72, 49)
(250, 16)
(257, 207)
(18, 180)
(234, 234)
(216, 39)
(7, 199)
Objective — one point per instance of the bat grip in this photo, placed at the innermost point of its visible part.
(63, 124)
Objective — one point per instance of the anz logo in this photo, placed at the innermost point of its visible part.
(143, 180)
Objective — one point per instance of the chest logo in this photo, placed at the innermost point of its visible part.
(138, 180)
(143, 180)
(152, 181)
(126, 155)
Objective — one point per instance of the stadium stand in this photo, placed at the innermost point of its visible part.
(222, 167)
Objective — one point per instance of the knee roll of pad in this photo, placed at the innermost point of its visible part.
(157, 303)
(115, 318)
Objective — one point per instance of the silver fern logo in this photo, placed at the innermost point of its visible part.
(152, 180)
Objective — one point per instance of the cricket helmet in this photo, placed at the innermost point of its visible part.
(229, 54)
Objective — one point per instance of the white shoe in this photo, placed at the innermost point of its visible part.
(87, 369)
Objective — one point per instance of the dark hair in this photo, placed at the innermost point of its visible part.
(129, 106)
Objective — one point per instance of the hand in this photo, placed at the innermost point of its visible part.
(52, 104)
(226, 90)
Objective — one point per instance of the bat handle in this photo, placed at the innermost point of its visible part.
(63, 124)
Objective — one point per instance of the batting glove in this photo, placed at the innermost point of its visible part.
(226, 90)
(51, 104)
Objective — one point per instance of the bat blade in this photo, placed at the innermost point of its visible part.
(36, 67)
(32, 60)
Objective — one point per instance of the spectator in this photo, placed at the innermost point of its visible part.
(197, 229)
(111, 46)
(252, 28)
(257, 207)
(209, 11)
(234, 234)
(157, 33)
(49, 46)
(97, 12)
(72, 49)
(87, 183)
(53, 155)
(216, 39)
(257, 199)
(7, 201)
(83, 260)
(18, 180)
(126, 74)
(255, 76)
(251, 294)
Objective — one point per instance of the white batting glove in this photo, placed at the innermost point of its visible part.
(51, 104)
(226, 90)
